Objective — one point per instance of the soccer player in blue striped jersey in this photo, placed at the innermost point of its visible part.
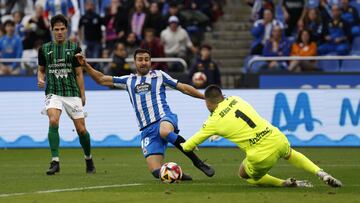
(147, 92)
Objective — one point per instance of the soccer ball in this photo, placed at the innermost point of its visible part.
(170, 172)
(199, 79)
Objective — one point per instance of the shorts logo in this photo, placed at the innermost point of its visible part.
(142, 88)
(76, 109)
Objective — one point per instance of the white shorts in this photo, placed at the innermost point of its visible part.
(72, 105)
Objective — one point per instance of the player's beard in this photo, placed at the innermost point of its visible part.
(143, 70)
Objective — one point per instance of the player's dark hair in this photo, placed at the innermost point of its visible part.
(58, 19)
(213, 94)
(141, 51)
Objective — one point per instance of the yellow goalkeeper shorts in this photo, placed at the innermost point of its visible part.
(257, 168)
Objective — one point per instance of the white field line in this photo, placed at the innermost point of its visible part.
(134, 184)
(71, 189)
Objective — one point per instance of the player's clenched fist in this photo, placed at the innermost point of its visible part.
(41, 83)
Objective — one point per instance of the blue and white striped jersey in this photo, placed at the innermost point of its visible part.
(147, 95)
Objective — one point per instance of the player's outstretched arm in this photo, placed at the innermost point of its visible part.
(189, 90)
(98, 76)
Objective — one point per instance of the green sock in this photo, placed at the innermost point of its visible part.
(85, 143)
(267, 180)
(299, 160)
(54, 139)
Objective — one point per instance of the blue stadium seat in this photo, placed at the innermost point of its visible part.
(255, 67)
(329, 65)
(350, 66)
(355, 4)
(356, 46)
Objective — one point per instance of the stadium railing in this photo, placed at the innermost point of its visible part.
(255, 59)
(98, 60)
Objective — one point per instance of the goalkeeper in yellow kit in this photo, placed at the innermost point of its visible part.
(236, 120)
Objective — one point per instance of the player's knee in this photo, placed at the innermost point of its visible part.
(54, 121)
(164, 132)
(242, 173)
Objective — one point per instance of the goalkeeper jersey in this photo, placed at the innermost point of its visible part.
(237, 121)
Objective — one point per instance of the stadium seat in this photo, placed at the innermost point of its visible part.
(329, 65)
(356, 46)
(356, 4)
(350, 66)
(255, 67)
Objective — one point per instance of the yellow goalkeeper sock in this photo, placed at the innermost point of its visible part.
(299, 160)
(267, 180)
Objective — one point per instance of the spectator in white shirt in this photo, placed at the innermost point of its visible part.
(176, 40)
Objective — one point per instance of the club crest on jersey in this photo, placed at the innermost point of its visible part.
(142, 88)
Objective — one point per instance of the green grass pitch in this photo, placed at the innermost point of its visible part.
(122, 176)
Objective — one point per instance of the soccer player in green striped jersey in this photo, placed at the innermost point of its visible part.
(63, 76)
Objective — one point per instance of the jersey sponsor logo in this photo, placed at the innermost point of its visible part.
(142, 88)
(301, 114)
(347, 109)
(62, 73)
(259, 135)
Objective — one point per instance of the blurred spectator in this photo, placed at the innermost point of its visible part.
(90, 31)
(111, 36)
(19, 26)
(54, 7)
(137, 18)
(350, 15)
(10, 4)
(217, 11)
(122, 22)
(153, 44)
(154, 19)
(10, 47)
(202, 6)
(304, 46)
(37, 29)
(337, 35)
(261, 31)
(132, 43)
(206, 65)
(173, 11)
(325, 11)
(194, 14)
(294, 12)
(30, 68)
(277, 45)
(65, 7)
(175, 39)
(258, 7)
(104, 5)
(118, 66)
(313, 22)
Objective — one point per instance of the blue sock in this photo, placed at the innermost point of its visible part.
(172, 137)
